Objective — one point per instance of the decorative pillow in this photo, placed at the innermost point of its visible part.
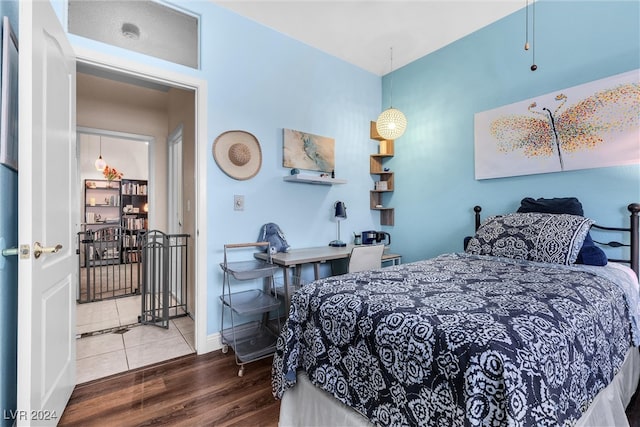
(538, 237)
(589, 254)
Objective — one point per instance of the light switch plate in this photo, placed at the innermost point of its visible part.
(238, 202)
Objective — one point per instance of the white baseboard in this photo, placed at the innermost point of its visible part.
(212, 343)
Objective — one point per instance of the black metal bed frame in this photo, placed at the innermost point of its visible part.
(633, 230)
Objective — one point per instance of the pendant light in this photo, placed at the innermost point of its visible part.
(391, 123)
(533, 35)
(100, 163)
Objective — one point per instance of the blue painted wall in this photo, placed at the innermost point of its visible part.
(8, 268)
(576, 42)
(262, 81)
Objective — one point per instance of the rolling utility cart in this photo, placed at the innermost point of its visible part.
(253, 340)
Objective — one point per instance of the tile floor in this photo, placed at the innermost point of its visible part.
(128, 345)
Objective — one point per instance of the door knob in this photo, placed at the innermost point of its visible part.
(38, 249)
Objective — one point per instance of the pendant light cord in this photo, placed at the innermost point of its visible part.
(526, 26)
(391, 81)
(533, 32)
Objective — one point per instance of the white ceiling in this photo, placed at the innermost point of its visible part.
(362, 32)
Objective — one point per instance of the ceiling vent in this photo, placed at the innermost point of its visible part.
(141, 26)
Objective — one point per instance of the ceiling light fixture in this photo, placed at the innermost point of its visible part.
(130, 31)
(391, 123)
(100, 163)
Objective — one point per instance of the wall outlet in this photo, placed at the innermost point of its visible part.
(238, 202)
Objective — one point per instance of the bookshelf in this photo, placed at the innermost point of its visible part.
(135, 214)
(102, 209)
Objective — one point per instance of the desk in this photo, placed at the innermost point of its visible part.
(295, 258)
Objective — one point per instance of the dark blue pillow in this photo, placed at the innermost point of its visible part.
(558, 205)
(589, 254)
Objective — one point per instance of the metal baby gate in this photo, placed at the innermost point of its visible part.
(108, 264)
(164, 277)
(114, 262)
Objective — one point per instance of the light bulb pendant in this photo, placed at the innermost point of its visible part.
(526, 46)
(100, 164)
(391, 124)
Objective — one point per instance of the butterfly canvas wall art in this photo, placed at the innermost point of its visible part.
(596, 124)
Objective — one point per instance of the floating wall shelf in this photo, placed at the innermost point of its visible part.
(313, 179)
(376, 167)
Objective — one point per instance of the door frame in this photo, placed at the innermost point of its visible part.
(199, 87)
(174, 202)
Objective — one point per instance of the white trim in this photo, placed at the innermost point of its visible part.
(174, 135)
(213, 343)
(175, 191)
(199, 86)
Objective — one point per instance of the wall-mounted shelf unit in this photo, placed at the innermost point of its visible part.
(385, 179)
(313, 179)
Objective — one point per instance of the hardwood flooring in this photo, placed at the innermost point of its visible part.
(191, 391)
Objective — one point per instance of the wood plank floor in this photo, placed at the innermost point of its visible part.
(191, 391)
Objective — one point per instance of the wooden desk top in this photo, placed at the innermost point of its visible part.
(307, 255)
(312, 255)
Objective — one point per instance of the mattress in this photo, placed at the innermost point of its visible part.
(309, 406)
(462, 339)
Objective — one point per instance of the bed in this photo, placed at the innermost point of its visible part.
(510, 332)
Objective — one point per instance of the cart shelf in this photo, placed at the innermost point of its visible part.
(249, 302)
(253, 340)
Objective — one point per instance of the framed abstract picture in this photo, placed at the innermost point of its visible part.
(9, 91)
(596, 124)
(307, 151)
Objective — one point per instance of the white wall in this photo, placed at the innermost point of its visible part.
(128, 156)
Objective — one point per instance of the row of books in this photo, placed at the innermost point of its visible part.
(130, 240)
(132, 257)
(134, 223)
(129, 188)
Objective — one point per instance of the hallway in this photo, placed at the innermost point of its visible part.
(125, 345)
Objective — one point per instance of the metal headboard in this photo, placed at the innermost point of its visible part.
(633, 230)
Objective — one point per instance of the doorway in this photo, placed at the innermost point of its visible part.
(118, 105)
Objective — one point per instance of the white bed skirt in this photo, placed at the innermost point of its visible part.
(307, 405)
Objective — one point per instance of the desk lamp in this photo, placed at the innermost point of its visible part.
(339, 214)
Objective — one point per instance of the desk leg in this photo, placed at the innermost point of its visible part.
(316, 270)
(287, 283)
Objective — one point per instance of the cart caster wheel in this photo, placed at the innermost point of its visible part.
(241, 371)
(225, 349)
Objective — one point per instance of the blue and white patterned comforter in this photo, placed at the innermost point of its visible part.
(460, 340)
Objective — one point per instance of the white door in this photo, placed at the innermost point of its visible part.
(46, 214)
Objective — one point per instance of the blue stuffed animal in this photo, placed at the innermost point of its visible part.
(270, 232)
